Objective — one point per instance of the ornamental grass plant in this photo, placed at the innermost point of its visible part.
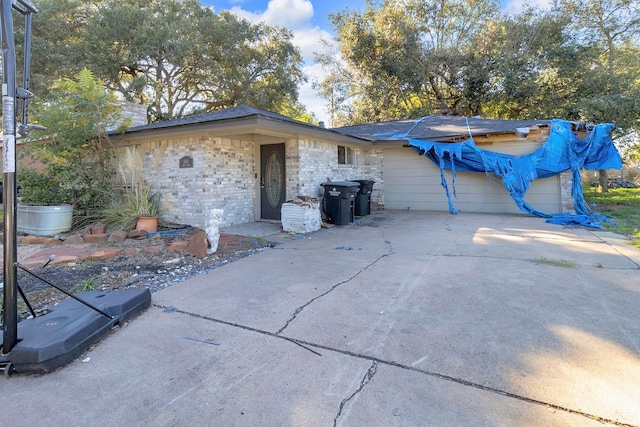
(133, 199)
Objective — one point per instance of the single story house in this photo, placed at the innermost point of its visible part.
(248, 161)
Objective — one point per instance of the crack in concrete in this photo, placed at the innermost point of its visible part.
(375, 361)
(368, 376)
(308, 303)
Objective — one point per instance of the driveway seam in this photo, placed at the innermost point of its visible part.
(376, 361)
(614, 248)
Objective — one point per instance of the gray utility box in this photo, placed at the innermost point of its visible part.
(363, 198)
(339, 200)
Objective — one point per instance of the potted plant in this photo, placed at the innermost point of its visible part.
(44, 208)
(132, 207)
(133, 204)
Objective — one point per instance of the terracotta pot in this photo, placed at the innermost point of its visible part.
(147, 223)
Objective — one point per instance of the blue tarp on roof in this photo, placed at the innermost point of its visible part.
(562, 151)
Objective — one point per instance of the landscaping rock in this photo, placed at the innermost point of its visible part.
(95, 238)
(107, 253)
(178, 246)
(198, 244)
(74, 239)
(64, 259)
(136, 234)
(36, 240)
(117, 236)
(76, 261)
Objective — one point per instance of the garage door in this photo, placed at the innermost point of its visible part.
(412, 182)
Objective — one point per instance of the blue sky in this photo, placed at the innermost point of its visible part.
(308, 21)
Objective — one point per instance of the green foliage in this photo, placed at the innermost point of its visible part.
(133, 199)
(196, 61)
(78, 167)
(623, 205)
(298, 112)
(401, 59)
(534, 67)
(126, 205)
(41, 188)
(406, 58)
(56, 30)
(553, 262)
(84, 286)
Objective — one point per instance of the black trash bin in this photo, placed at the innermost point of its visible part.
(363, 198)
(338, 201)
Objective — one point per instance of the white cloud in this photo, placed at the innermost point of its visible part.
(309, 41)
(296, 15)
(285, 13)
(289, 13)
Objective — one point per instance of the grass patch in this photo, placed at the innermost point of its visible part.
(623, 205)
(553, 262)
(85, 285)
(259, 240)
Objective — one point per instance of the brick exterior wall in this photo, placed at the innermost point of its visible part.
(222, 177)
(224, 173)
(566, 198)
(292, 168)
(318, 160)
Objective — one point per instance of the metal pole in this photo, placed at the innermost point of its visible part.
(10, 315)
(64, 291)
(26, 75)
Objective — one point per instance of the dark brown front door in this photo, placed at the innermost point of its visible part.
(272, 180)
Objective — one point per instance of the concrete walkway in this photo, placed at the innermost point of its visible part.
(403, 319)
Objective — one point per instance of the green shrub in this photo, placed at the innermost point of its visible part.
(73, 150)
(128, 204)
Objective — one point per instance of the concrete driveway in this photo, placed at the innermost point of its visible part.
(406, 318)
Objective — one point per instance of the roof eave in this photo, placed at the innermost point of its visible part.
(254, 123)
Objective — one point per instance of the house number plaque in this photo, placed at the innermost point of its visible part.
(186, 162)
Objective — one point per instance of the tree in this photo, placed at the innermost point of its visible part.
(434, 56)
(614, 27)
(193, 62)
(56, 31)
(78, 167)
(536, 67)
(407, 58)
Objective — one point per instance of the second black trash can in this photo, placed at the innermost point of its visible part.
(363, 198)
(339, 200)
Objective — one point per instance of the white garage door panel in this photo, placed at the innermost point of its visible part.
(413, 182)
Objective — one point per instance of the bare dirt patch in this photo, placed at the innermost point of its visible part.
(147, 262)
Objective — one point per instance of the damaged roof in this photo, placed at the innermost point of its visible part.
(436, 128)
(243, 120)
(430, 128)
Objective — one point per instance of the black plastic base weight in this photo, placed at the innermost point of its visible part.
(55, 339)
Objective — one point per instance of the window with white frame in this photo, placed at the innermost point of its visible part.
(346, 155)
